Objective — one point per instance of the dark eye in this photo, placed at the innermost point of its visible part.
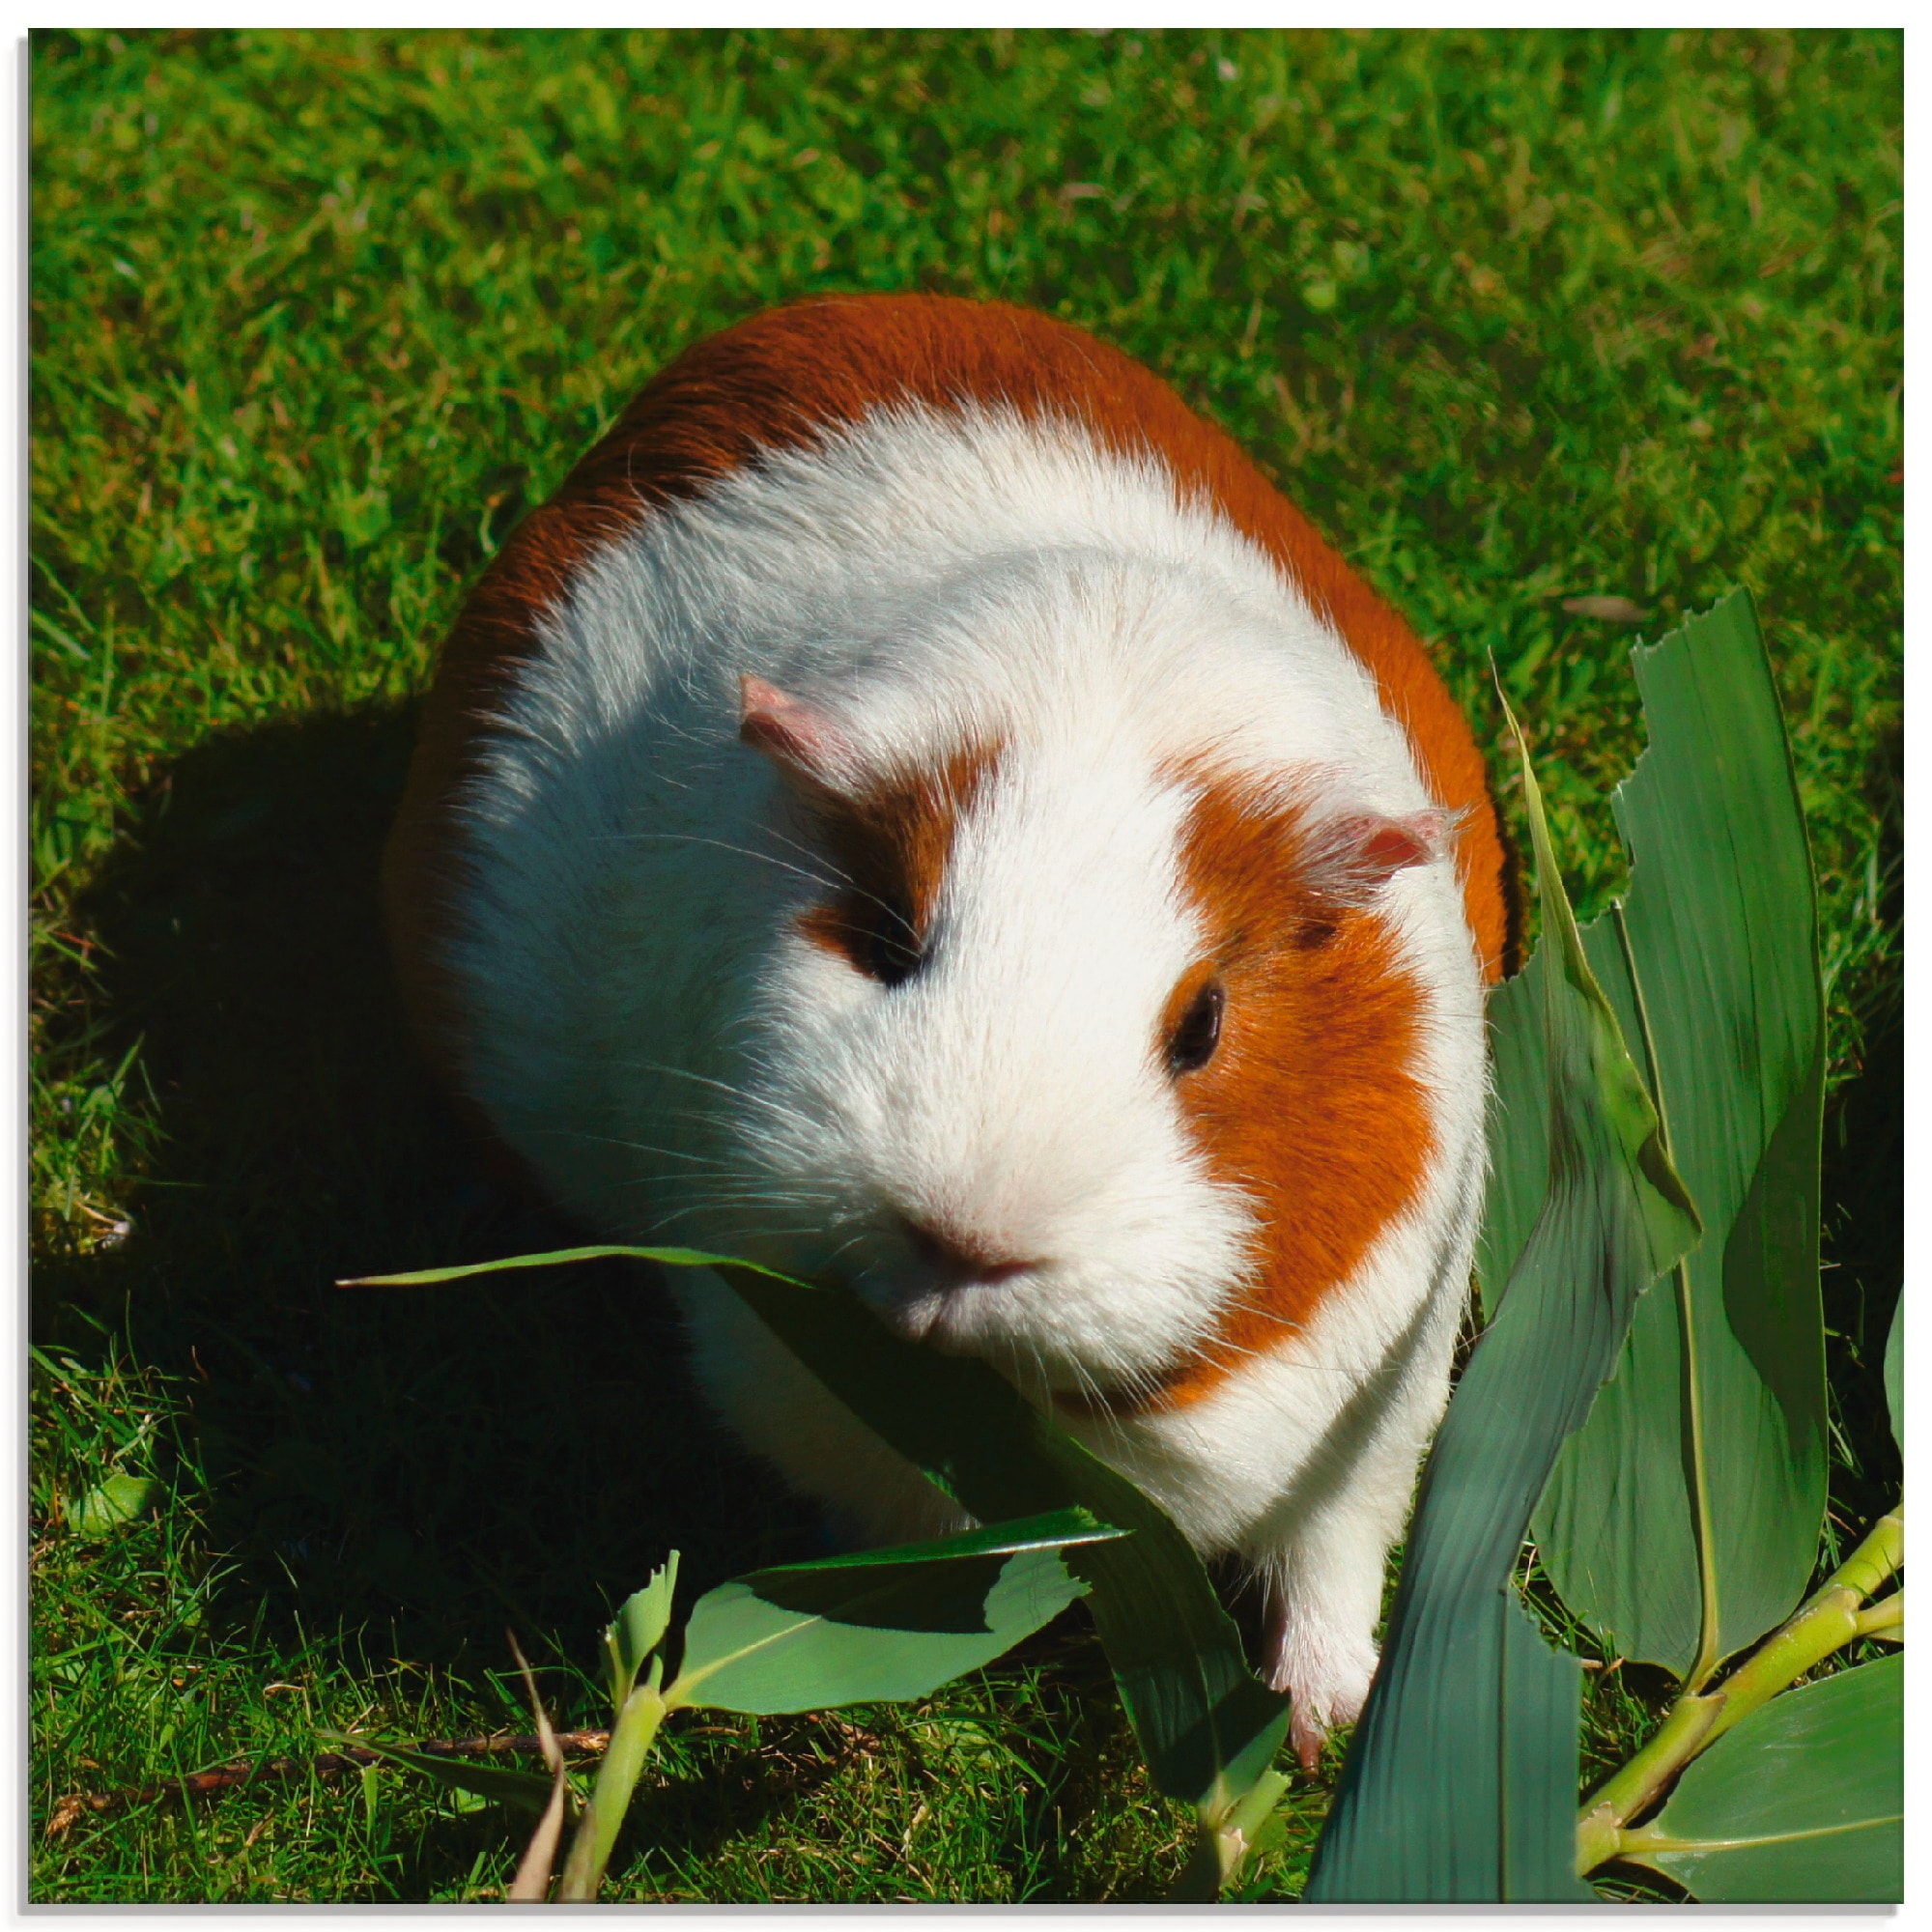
(889, 949)
(1198, 1032)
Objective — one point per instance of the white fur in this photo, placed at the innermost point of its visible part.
(681, 1065)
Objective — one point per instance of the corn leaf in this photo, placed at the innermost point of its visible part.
(1207, 1726)
(1461, 1782)
(1804, 1801)
(1689, 1505)
(1518, 1129)
(885, 1623)
(638, 1628)
(1057, 1529)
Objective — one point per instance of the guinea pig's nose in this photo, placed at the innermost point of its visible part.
(960, 1261)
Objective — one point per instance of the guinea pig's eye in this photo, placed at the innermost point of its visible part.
(1198, 1032)
(890, 948)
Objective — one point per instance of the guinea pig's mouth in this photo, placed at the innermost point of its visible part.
(979, 1312)
(944, 1291)
(939, 1309)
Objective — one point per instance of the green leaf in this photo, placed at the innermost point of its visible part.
(1542, 1709)
(1461, 1782)
(1207, 1726)
(108, 1506)
(637, 1630)
(1057, 1529)
(1804, 1801)
(1894, 1372)
(524, 1790)
(633, 1733)
(1518, 1129)
(889, 1624)
(554, 1258)
(1692, 1501)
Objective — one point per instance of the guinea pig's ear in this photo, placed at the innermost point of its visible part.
(1351, 856)
(808, 748)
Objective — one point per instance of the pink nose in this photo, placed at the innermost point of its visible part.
(958, 1259)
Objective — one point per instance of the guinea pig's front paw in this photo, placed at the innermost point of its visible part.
(1327, 1684)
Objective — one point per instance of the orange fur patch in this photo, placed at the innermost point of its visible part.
(1310, 1105)
(891, 842)
(781, 379)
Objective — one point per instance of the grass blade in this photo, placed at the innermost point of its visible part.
(521, 1790)
(531, 1883)
(631, 1736)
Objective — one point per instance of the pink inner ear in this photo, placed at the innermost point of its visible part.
(1364, 850)
(799, 738)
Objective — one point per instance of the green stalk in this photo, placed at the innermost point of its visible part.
(631, 1741)
(1705, 1662)
(1227, 1840)
(1882, 1619)
(1831, 1618)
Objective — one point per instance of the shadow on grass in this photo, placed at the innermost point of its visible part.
(424, 1466)
(432, 1461)
(390, 1473)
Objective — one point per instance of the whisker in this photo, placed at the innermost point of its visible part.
(629, 1146)
(845, 880)
(721, 844)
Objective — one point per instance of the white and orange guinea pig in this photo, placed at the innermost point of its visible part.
(918, 807)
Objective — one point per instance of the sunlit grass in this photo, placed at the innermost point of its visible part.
(1518, 319)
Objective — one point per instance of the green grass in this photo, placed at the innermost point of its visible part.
(315, 319)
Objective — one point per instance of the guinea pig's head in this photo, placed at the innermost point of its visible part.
(1097, 1064)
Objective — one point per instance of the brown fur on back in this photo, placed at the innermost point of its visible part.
(780, 381)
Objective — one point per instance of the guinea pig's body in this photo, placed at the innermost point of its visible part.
(918, 806)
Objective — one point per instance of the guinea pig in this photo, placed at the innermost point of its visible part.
(918, 807)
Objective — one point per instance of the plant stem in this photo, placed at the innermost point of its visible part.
(1831, 1619)
(1227, 1838)
(631, 1740)
(1883, 1618)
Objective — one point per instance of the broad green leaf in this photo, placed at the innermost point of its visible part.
(1206, 1724)
(109, 1505)
(889, 1624)
(526, 1790)
(1719, 1393)
(1894, 1371)
(1541, 1708)
(1517, 1130)
(1802, 1803)
(1461, 1782)
(637, 1630)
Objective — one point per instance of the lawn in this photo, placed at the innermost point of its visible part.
(1520, 319)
